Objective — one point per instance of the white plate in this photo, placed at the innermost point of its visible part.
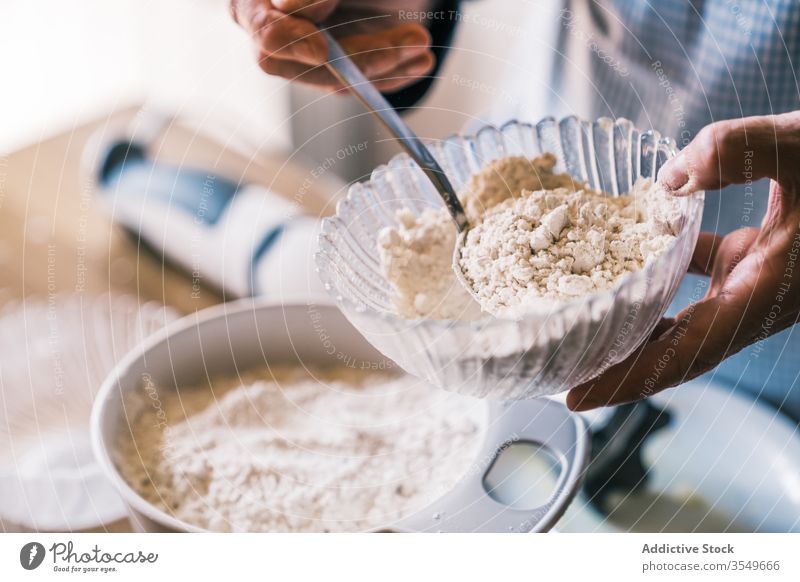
(725, 462)
(56, 353)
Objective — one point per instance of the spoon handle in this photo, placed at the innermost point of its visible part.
(348, 73)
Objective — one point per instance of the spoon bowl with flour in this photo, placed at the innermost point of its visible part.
(346, 71)
(562, 244)
(573, 251)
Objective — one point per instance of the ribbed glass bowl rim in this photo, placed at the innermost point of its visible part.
(556, 308)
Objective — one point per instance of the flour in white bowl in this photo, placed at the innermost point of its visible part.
(291, 450)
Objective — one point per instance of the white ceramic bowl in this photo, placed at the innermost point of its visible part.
(233, 337)
(506, 359)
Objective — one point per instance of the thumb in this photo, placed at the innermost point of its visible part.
(735, 151)
(314, 10)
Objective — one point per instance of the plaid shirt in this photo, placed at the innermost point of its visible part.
(688, 63)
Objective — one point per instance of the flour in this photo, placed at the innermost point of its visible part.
(561, 244)
(507, 178)
(416, 257)
(294, 450)
(417, 254)
(535, 235)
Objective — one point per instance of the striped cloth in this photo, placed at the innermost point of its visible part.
(721, 59)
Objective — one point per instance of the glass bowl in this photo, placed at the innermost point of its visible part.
(542, 353)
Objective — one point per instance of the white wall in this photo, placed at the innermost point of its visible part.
(471, 82)
(68, 61)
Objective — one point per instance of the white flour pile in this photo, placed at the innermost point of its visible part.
(292, 450)
(535, 235)
(561, 244)
(417, 256)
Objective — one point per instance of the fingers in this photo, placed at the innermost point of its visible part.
(391, 59)
(742, 296)
(278, 35)
(695, 343)
(705, 252)
(406, 73)
(750, 268)
(734, 151)
(396, 77)
(385, 50)
(730, 251)
(314, 10)
(291, 46)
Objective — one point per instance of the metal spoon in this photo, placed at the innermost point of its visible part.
(346, 71)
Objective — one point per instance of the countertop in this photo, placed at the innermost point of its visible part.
(56, 238)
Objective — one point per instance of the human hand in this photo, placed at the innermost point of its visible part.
(289, 45)
(755, 272)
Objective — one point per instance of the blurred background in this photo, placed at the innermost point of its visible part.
(181, 76)
(91, 263)
(178, 79)
(77, 60)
